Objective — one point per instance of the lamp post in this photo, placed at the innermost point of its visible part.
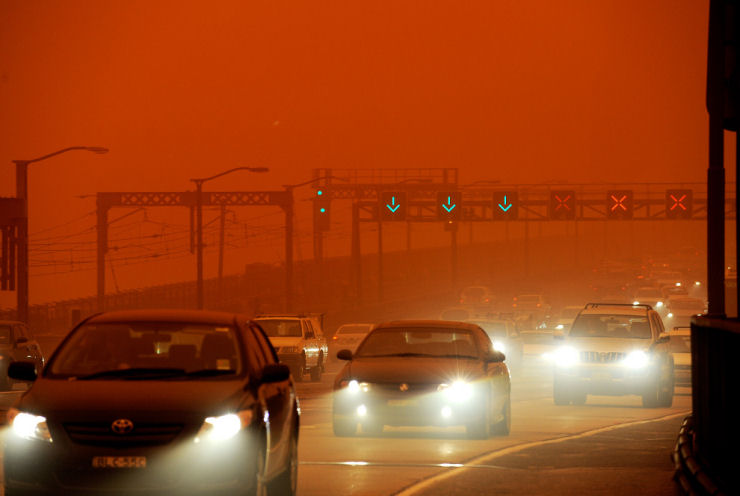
(199, 223)
(21, 192)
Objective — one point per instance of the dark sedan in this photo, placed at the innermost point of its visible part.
(423, 372)
(155, 402)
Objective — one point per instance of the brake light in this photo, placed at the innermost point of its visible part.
(335, 338)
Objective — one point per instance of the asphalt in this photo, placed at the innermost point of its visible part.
(628, 460)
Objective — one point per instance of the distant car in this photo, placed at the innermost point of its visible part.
(155, 402)
(537, 344)
(505, 338)
(680, 310)
(680, 344)
(348, 336)
(533, 307)
(423, 372)
(673, 290)
(649, 295)
(614, 350)
(481, 298)
(17, 343)
(299, 341)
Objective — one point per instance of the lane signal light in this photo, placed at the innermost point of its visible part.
(679, 203)
(505, 205)
(562, 204)
(449, 206)
(619, 204)
(392, 206)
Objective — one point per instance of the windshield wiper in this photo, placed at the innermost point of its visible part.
(134, 373)
(209, 372)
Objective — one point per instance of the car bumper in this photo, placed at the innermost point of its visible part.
(606, 380)
(35, 467)
(407, 409)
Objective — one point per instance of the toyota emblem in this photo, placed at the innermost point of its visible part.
(122, 426)
(404, 387)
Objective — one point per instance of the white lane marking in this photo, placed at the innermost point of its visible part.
(480, 460)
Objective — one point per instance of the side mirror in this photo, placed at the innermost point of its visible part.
(495, 356)
(344, 355)
(275, 372)
(663, 338)
(22, 371)
(21, 340)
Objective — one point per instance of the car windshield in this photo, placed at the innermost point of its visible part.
(148, 350)
(680, 344)
(354, 329)
(425, 342)
(610, 326)
(4, 334)
(276, 328)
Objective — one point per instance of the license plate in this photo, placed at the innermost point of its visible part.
(119, 462)
(401, 402)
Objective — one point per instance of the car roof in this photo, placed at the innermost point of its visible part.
(614, 309)
(167, 315)
(442, 324)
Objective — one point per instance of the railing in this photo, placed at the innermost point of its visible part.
(715, 377)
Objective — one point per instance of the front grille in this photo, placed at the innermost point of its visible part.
(143, 434)
(602, 357)
(412, 388)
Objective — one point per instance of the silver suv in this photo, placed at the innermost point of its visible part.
(299, 342)
(614, 349)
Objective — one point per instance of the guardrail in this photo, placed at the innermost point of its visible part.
(715, 377)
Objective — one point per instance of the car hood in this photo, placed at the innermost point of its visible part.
(412, 370)
(199, 397)
(286, 341)
(609, 344)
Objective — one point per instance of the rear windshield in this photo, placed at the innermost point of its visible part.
(275, 328)
(418, 341)
(353, 329)
(610, 326)
(111, 347)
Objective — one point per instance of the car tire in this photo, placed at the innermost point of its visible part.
(286, 484)
(343, 427)
(559, 393)
(650, 397)
(316, 370)
(503, 426)
(665, 393)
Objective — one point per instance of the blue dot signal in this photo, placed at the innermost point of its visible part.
(505, 205)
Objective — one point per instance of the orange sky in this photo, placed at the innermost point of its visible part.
(534, 91)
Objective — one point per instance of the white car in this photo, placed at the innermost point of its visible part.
(348, 337)
(680, 310)
(680, 343)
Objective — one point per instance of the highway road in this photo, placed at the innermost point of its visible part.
(560, 444)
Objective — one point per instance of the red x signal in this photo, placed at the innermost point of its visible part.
(562, 202)
(618, 202)
(678, 202)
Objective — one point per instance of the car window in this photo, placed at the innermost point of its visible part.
(264, 343)
(255, 353)
(419, 341)
(309, 334)
(281, 327)
(20, 331)
(611, 326)
(95, 348)
(4, 334)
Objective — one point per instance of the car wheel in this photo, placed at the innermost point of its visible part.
(316, 370)
(259, 488)
(343, 427)
(480, 427)
(665, 393)
(286, 484)
(560, 394)
(650, 397)
(503, 426)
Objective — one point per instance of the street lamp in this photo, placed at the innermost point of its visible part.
(21, 192)
(199, 222)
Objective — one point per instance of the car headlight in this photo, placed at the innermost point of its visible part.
(289, 349)
(499, 346)
(658, 304)
(29, 426)
(458, 391)
(670, 314)
(560, 327)
(636, 359)
(636, 302)
(566, 356)
(224, 427)
(354, 386)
